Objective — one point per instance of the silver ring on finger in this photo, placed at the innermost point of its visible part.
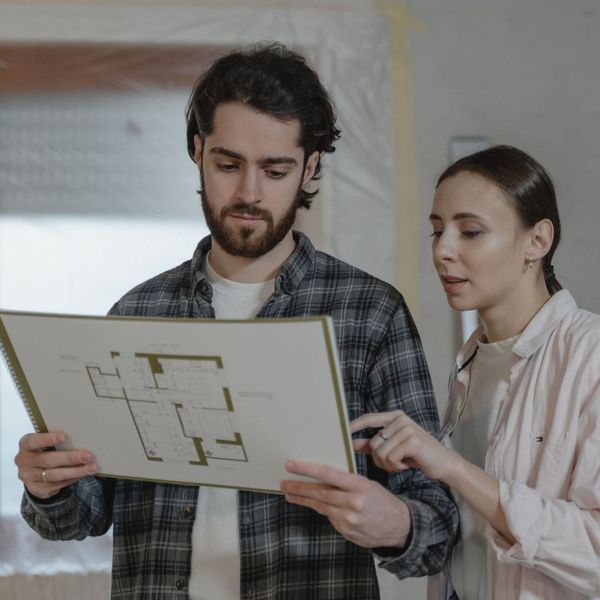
(383, 436)
(44, 478)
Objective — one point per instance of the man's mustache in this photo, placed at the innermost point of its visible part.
(246, 209)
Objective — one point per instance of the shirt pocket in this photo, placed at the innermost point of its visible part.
(550, 461)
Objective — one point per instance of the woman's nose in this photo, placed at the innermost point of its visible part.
(443, 248)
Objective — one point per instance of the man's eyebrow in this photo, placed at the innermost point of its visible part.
(225, 152)
(457, 216)
(278, 160)
(267, 160)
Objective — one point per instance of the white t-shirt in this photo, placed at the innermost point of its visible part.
(471, 563)
(215, 568)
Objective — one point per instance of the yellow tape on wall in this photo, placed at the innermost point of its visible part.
(406, 205)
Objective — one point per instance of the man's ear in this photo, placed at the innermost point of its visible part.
(198, 150)
(541, 238)
(311, 166)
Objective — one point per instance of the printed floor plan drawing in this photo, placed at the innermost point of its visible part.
(180, 405)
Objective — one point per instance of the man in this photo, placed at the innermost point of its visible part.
(259, 122)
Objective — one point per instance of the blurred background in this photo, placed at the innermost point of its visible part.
(97, 192)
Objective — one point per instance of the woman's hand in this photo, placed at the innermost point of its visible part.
(401, 444)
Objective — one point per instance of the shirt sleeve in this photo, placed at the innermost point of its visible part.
(84, 508)
(559, 537)
(399, 379)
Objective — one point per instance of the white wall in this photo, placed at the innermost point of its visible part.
(521, 73)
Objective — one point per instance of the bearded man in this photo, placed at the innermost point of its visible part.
(258, 123)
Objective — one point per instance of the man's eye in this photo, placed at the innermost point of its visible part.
(227, 166)
(436, 234)
(471, 233)
(276, 174)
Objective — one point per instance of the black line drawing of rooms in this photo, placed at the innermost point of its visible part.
(179, 404)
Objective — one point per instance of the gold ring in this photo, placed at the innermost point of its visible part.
(44, 478)
(382, 436)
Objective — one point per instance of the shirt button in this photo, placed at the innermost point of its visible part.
(180, 584)
(247, 520)
(286, 287)
(186, 513)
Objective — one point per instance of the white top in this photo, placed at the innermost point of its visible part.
(215, 568)
(233, 300)
(490, 375)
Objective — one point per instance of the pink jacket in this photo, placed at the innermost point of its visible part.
(545, 451)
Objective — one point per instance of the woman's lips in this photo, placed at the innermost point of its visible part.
(452, 285)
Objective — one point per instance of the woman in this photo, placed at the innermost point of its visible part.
(522, 429)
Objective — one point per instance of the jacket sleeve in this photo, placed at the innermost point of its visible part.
(81, 509)
(399, 379)
(559, 537)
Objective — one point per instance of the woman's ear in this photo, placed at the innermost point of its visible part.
(542, 236)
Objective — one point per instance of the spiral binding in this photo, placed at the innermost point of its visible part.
(17, 383)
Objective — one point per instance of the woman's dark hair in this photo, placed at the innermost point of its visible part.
(526, 182)
(271, 79)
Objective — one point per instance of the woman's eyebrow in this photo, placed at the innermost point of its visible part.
(457, 216)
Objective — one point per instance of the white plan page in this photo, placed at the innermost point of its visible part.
(197, 401)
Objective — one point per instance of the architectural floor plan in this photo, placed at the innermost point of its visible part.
(180, 405)
(197, 402)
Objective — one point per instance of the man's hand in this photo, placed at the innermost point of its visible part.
(45, 472)
(362, 510)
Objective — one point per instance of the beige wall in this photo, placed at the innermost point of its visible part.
(521, 73)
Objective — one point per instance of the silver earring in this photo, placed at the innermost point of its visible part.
(528, 264)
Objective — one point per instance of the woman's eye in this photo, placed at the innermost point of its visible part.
(470, 234)
(436, 234)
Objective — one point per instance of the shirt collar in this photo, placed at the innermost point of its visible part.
(544, 322)
(535, 333)
(292, 272)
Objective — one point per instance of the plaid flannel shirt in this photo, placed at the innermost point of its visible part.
(286, 551)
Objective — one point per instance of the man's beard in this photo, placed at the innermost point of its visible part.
(247, 242)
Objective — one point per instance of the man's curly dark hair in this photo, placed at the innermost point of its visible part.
(274, 80)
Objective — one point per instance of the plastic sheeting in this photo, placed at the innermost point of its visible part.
(138, 49)
(347, 42)
(23, 551)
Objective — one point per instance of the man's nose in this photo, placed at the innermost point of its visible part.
(248, 189)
